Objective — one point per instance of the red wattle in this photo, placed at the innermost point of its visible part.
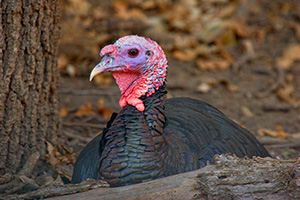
(132, 87)
(126, 80)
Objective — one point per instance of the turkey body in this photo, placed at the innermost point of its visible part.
(169, 137)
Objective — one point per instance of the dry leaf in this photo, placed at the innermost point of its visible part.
(209, 84)
(240, 28)
(85, 110)
(121, 9)
(99, 13)
(228, 38)
(179, 19)
(184, 41)
(79, 7)
(279, 133)
(123, 12)
(68, 155)
(55, 157)
(286, 93)
(229, 86)
(212, 65)
(62, 62)
(104, 112)
(135, 13)
(185, 55)
(212, 30)
(63, 112)
(290, 55)
(224, 31)
(232, 88)
(52, 155)
(204, 50)
(227, 11)
(226, 55)
(148, 5)
(246, 111)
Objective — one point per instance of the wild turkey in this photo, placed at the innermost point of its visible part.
(152, 137)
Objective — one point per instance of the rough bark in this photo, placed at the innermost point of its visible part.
(230, 178)
(29, 33)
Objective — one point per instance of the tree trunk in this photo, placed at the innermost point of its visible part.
(29, 32)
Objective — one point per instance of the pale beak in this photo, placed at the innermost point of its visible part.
(104, 65)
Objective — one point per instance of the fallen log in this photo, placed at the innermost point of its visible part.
(229, 178)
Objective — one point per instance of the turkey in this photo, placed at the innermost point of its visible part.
(152, 137)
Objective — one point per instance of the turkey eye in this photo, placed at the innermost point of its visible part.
(149, 53)
(133, 52)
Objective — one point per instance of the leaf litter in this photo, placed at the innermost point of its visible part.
(213, 35)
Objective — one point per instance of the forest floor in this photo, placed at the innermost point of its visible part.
(242, 57)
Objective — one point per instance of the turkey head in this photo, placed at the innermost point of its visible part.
(139, 66)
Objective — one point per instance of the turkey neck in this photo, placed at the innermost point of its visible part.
(135, 148)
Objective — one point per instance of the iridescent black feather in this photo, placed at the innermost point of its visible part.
(170, 137)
